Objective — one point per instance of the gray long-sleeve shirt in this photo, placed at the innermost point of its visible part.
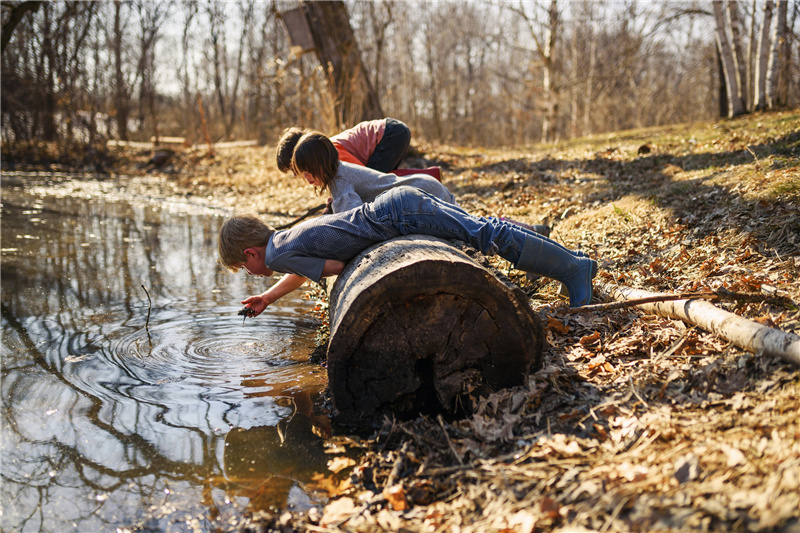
(355, 185)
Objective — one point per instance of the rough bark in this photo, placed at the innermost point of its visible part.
(777, 55)
(729, 70)
(417, 325)
(762, 59)
(745, 334)
(335, 44)
(738, 50)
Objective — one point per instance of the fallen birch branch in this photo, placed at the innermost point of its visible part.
(744, 333)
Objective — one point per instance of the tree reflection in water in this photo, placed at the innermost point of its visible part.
(106, 425)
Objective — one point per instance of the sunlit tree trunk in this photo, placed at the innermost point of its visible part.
(433, 78)
(751, 58)
(762, 59)
(729, 71)
(47, 76)
(588, 96)
(738, 52)
(379, 27)
(574, 83)
(355, 99)
(777, 57)
(548, 60)
(152, 16)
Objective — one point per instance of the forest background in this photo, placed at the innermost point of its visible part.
(636, 422)
(481, 73)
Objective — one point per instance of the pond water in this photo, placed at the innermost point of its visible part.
(133, 395)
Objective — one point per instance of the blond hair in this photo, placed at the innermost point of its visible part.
(238, 234)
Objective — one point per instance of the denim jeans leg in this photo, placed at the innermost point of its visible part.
(393, 147)
(415, 211)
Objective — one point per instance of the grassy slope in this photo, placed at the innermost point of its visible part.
(636, 422)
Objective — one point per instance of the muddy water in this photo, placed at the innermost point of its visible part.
(132, 395)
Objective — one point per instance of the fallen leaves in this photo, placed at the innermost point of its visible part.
(635, 422)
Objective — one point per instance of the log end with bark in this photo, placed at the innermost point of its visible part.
(417, 326)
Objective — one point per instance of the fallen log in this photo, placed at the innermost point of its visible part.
(416, 325)
(743, 333)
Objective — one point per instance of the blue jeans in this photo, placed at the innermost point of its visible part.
(407, 210)
(392, 148)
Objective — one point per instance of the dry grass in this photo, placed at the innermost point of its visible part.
(636, 422)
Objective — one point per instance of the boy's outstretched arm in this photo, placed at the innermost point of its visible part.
(287, 284)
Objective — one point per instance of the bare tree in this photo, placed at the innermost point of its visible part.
(122, 95)
(732, 9)
(152, 16)
(545, 43)
(354, 97)
(778, 55)
(190, 12)
(729, 69)
(215, 11)
(762, 59)
(245, 17)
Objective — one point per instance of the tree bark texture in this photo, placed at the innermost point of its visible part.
(762, 59)
(336, 47)
(416, 325)
(777, 55)
(729, 69)
(744, 333)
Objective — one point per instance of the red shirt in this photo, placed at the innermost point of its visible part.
(357, 144)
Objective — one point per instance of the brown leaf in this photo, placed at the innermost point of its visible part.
(556, 325)
(396, 496)
(549, 507)
(590, 339)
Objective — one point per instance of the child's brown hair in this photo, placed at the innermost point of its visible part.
(285, 148)
(236, 235)
(316, 154)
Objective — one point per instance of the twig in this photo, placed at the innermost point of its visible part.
(449, 442)
(302, 217)
(639, 301)
(149, 305)
(719, 294)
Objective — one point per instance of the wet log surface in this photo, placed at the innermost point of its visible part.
(417, 326)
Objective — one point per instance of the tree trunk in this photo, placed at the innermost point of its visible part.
(735, 106)
(738, 50)
(121, 94)
(549, 65)
(777, 55)
(417, 325)
(760, 98)
(723, 88)
(355, 99)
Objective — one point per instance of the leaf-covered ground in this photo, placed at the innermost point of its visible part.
(636, 422)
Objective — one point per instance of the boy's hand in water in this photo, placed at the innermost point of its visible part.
(246, 312)
(256, 305)
(287, 284)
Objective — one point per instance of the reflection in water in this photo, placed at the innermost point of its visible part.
(106, 423)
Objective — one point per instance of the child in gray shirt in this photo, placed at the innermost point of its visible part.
(316, 160)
